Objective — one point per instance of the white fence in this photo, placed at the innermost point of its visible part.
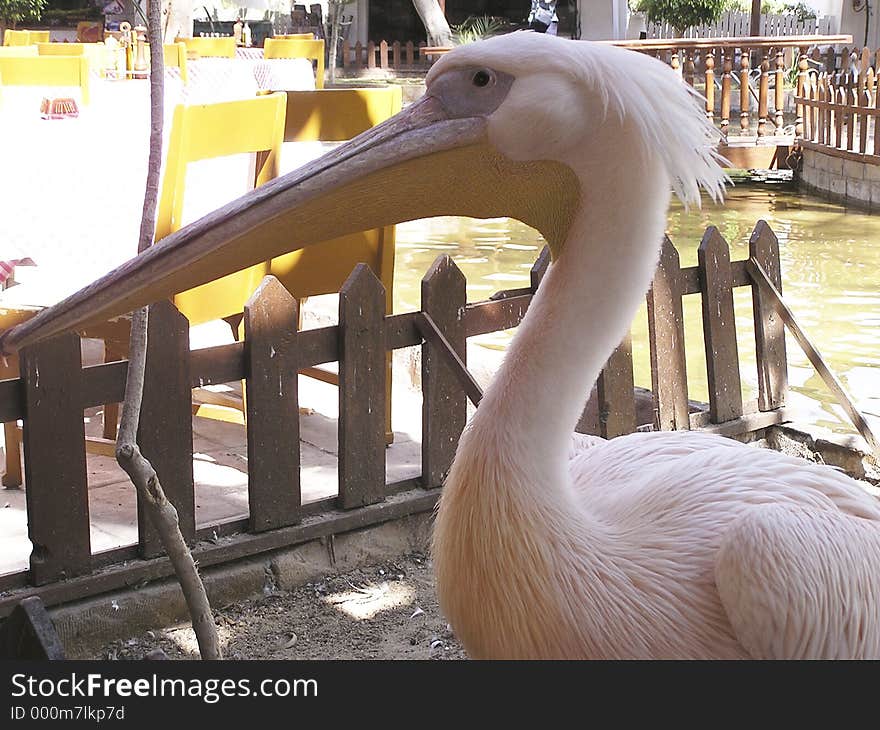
(736, 23)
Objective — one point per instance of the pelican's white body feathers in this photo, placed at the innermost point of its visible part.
(654, 545)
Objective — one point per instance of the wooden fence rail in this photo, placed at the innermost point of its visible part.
(839, 111)
(738, 23)
(54, 389)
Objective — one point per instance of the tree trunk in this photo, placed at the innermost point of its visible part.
(755, 18)
(434, 21)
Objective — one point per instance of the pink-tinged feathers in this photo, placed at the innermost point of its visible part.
(660, 545)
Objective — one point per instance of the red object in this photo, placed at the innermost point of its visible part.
(60, 108)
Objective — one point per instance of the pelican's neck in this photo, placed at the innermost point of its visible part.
(581, 312)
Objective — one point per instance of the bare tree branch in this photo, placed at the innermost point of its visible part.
(162, 513)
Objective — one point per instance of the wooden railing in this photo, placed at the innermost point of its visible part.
(838, 107)
(737, 23)
(54, 389)
(395, 56)
(746, 75)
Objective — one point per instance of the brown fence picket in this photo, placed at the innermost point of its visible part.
(616, 392)
(55, 460)
(444, 405)
(346, 51)
(719, 328)
(165, 431)
(770, 349)
(395, 55)
(383, 54)
(539, 268)
(410, 53)
(371, 54)
(362, 375)
(666, 334)
(270, 327)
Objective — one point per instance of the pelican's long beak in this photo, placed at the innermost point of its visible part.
(418, 164)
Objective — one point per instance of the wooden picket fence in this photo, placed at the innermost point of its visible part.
(838, 102)
(395, 56)
(737, 23)
(54, 389)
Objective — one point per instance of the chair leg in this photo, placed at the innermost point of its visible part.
(112, 353)
(12, 433)
(389, 432)
(12, 478)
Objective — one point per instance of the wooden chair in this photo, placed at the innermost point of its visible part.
(18, 52)
(39, 36)
(210, 47)
(47, 71)
(293, 37)
(16, 38)
(174, 56)
(202, 132)
(198, 132)
(313, 50)
(335, 115)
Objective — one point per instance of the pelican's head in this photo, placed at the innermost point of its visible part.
(507, 127)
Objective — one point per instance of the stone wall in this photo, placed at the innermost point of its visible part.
(848, 181)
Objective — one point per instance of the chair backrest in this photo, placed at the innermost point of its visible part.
(47, 71)
(210, 47)
(175, 57)
(16, 38)
(205, 131)
(292, 37)
(293, 48)
(63, 49)
(332, 115)
(39, 36)
(335, 115)
(18, 51)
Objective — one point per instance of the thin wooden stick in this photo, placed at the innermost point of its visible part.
(756, 271)
(431, 332)
(162, 513)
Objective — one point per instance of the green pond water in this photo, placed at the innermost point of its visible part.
(831, 280)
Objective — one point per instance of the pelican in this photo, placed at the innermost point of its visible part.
(653, 545)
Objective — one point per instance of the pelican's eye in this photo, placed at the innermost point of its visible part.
(482, 78)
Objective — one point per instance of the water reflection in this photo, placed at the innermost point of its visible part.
(830, 263)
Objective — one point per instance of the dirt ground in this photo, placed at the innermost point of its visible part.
(386, 610)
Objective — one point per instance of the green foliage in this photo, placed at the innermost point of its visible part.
(19, 11)
(476, 28)
(681, 14)
(800, 10)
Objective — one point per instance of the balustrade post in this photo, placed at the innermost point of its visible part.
(779, 101)
(803, 66)
(744, 64)
(726, 76)
(710, 84)
(764, 95)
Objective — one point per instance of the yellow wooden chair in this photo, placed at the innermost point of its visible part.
(209, 47)
(16, 38)
(175, 57)
(294, 37)
(313, 50)
(47, 71)
(335, 115)
(201, 132)
(18, 51)
(38, 36)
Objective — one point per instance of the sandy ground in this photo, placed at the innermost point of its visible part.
(385, 610)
